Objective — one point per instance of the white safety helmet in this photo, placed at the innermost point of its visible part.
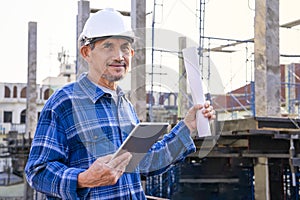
(105, 23)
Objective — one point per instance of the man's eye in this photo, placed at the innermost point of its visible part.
(126, 49)
(107, 45)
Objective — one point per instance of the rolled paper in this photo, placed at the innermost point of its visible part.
(191, 63)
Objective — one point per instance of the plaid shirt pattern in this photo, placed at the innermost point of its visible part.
(80, 123)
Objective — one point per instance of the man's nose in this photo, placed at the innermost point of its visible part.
(119, 55)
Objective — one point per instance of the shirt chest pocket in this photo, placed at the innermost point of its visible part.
(98, 143)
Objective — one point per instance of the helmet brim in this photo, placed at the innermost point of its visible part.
(88, 41)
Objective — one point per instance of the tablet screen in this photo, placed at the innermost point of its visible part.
(140, 140)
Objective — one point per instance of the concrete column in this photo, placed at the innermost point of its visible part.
(83, 15)
(267, 67)
(182, 95)
(31, 112)
(138, 72)
(261, 174)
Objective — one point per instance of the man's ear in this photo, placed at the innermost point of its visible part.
(85, 51)
(132, 52)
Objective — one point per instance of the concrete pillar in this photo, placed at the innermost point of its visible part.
(267, 78)
(138, 72)
(261, 176)
(267, 67)
(182, 95)
(31, 92)
(83, 15)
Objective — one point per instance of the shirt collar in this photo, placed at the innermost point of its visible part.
(91, 89)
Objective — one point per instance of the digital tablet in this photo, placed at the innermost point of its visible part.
(140, 140)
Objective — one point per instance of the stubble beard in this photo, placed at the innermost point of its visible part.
(112, 78)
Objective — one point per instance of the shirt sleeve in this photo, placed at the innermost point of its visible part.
(46, 169)
(174, 147)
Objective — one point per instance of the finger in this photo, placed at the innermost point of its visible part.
(195, 108)
(209, 113)
(120, 161)
(206, 110)
(119, 172)
(206, 104)
(105, 159)
(213, 114)
(122, 165)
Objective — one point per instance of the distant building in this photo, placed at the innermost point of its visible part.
(240, 103)
(13, 98)
(13, 105)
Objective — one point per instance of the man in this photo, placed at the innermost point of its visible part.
(83, 123)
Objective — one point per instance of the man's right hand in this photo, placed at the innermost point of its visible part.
(104, 171)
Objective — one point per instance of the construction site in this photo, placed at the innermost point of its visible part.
(253, 151)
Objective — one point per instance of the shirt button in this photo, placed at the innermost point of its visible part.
(95, 137)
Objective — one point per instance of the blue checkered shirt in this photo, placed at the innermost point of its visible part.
(78, 124)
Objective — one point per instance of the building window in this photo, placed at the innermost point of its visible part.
(150, 99)
(23, 92)
(15, 92)
(23, 117)
(6, 92)
(47, 93)
(41, 93)
(161, 99)
(172, 100)
(7, 117)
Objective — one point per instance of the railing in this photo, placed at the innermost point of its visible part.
(6, 127)
(20, 128)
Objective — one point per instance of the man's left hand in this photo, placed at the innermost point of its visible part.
(190, 118)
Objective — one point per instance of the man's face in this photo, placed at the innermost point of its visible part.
(110, 60)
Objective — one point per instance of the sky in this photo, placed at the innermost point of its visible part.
(56, 30)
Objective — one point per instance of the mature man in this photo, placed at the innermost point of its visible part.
(83, 123)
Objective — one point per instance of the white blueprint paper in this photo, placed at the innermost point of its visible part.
(191, 63)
